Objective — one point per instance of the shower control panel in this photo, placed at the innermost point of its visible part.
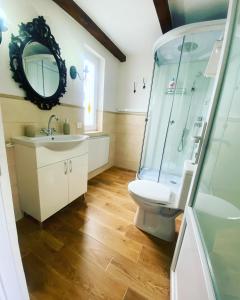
(198, 140)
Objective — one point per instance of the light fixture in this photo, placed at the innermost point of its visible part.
(3, 23)
(74, 73)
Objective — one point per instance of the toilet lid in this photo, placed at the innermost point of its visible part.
(151, 191)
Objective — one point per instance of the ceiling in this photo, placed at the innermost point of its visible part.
(190, 11)
(133, 24)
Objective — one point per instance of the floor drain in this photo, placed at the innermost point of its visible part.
(173, 182)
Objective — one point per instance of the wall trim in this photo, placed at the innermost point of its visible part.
(136, 113)
(14, 97)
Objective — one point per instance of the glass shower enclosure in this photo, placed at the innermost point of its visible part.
(182, 85)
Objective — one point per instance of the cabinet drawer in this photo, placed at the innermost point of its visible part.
(45, 156)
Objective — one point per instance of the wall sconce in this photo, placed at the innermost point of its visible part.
(3, 23)
(74, 73)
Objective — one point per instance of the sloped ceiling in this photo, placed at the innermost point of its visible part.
(191, 11)
(133, 24)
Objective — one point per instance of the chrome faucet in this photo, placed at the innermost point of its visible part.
(49, 131)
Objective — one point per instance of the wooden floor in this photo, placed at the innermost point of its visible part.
(91, 250)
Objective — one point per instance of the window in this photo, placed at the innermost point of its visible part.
(91, 88)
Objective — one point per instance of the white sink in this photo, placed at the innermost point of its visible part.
(55, 142)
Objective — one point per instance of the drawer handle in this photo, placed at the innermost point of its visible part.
(70, 166)
(65, 168)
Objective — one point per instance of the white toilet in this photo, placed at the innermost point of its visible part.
(158, 206)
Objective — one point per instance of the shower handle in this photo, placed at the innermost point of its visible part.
(199, 141)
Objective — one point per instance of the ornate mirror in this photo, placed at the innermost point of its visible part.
(36, 63)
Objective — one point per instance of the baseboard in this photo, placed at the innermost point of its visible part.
(99, 171)
(125, 169)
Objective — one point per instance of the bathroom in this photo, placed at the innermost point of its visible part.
(119, 161)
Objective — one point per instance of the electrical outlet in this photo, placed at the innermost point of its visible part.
(79, 125)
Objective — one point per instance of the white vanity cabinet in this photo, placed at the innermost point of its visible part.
(52, 188)
(78, 168)
(51, 177)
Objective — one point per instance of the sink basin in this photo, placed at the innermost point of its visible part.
(55, 142)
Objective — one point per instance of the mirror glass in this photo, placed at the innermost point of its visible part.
(41, 69)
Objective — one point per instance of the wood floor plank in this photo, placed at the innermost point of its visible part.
(120, 191)
(110, 206)
(133, 295)
(77, 270)
(158, 262)
(123, 201)
(113, 240)
(46, 284)
(128, 206)
(69, 216)
(104, 217)
(86, 246)
(91, 249)
(139, 278)
(147, 240)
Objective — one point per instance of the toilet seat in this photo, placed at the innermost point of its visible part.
(151, 192)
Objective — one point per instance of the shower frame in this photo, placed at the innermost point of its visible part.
(180, 32)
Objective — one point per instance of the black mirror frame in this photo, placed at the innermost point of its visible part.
(36, 31)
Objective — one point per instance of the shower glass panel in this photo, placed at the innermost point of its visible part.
(191, 103)
(161, 100)
(179, 102)
(217, 200)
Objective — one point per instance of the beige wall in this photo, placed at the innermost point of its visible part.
(17, 113)
(129, 138)
(125, 131)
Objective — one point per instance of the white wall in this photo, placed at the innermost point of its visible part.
(71, 37)
(134, 69)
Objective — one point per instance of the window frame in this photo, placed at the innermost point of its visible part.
(95, 60)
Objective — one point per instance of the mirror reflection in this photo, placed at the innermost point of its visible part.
(41, 69)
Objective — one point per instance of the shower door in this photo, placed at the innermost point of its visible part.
(161, 102)
(209, 241)
(191, 104)
(178, 106)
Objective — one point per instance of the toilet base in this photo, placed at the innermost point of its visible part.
(161, 225)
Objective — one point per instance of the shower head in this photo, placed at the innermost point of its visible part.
(188, 47)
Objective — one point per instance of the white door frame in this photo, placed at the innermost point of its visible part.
(189, 217)
(12, 279)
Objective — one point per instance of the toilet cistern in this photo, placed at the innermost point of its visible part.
(49, 130)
